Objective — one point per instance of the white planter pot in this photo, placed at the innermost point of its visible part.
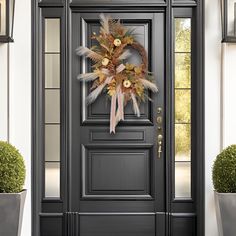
(11, 212)
(226, 213)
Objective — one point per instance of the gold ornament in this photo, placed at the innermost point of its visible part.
(126, 83)
(105, 61)
(138, 70)
(129, 66)
(117, 42)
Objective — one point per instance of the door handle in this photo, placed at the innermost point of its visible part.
(159, 144)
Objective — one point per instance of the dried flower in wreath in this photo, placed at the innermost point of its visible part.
(123, 82)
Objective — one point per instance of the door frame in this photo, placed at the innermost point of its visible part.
(169, 7)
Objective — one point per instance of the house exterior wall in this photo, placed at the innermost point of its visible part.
(15, 95)
(212, 106)
(220, 121)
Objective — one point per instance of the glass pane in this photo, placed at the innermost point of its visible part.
(2, 17)
(232, 17)
(52, 179)
(182, 142)
(52, 71)
(182, 105)
(52, 106)
(183, 179)
(182, 70)
(182, 34)
(52, 35)
(52, 142)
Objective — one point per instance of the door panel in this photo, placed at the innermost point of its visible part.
(99, 111)
(118, 225)
(117, 174)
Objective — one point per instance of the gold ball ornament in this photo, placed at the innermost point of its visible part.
(126, 83)
(105, 61)
(117, 42)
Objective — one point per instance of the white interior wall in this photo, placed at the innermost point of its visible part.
(20, 98)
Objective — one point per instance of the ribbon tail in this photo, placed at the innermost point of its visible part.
(113, 114)
(120, 111)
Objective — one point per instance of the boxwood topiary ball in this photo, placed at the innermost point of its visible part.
(224, 171)
(12, 169)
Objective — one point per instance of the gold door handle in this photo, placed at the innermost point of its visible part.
(160, 141)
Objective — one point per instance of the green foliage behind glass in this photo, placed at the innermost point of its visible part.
(182, 139)
(182, 88)
(182, 35)
(12, 169)
(224, 171)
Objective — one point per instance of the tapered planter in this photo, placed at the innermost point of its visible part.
(226, 213)
(11, 212)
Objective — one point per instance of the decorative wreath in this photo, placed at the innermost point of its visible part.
(122, 81)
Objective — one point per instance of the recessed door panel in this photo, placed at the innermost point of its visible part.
(117, 173)
(100, 109)
(117, 225)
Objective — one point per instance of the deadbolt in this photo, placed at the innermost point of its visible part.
(159, 120)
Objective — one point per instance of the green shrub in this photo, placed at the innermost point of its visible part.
(224, 171)
(12, 169)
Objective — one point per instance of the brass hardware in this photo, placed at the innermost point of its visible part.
(159, 128)
(159, 120)
(159, 140)
(159, 110)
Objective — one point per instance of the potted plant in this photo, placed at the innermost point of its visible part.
(224, 180)
(12, 195)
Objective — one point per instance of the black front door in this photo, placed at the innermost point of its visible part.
(117, 181)
(88, 182)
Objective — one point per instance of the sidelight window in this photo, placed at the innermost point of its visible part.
(52, 97)
(182, 90)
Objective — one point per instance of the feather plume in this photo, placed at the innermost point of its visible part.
(135, 105)
(104, 20)
(149, 85)
(96, 92)
(87, 76)
(125, 55)
(84, 51)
